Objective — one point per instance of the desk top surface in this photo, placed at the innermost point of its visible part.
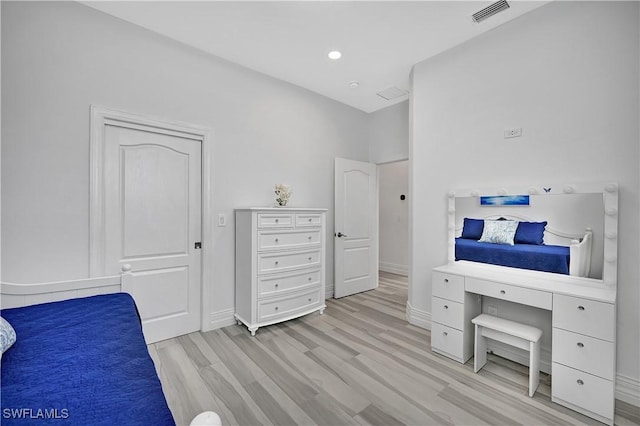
(543, 281)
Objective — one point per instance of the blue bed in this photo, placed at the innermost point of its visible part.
(547, 258)
(80, 362)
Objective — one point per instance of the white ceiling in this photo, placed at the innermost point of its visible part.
(380, 40)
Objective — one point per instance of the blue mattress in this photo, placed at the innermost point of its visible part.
(546, 258)
(80, 362)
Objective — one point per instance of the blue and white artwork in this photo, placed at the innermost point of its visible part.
(504, 200)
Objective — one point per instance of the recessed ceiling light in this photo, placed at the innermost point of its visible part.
(354, 84)
(335, 55)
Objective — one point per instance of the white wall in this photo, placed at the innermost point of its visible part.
(567, 73)
(60, 57)
(389, 134)
(393, 181)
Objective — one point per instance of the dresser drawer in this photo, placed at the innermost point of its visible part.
(275, 220)
(448, 286)
(271, 285)
(275, 309)
(526, 296)
(583, 390)
(446, 339)
(589, 317)
(282, 262)
(308, 219)
(447, 312)
(584, 353)
(268, 240)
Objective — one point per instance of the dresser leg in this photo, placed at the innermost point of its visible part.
(253, 330)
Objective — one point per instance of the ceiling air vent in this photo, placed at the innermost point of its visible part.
(392, 93)
(490, 10)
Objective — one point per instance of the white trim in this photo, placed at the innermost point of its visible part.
(418, 317)
(394, 268)
(221, 319)
(628, 390)
(100, 117)
(328, 291)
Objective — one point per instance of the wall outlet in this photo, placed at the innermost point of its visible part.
(492, 310)
(513, 133)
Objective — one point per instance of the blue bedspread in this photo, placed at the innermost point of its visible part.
(544, 258)
(80, 362)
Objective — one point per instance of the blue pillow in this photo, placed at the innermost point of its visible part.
(7, 335)
(530, 233)
(472, 228)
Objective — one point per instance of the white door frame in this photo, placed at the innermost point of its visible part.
(100, 117)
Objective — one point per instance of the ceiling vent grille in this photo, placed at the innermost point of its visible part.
(490, 10)
(392, 93)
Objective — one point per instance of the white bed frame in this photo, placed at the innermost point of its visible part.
(17, 295)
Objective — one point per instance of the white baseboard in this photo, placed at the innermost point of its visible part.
(393, 268)
(628, 390)
(222, 318)
(418, 317)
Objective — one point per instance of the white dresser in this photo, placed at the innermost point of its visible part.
(583, 326)
(280, 264)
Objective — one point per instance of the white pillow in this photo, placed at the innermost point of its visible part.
(499, 231)
(7, 335)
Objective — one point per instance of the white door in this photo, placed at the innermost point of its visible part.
(152, 221)
(356, 227)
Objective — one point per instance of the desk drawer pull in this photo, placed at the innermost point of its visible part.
(446, 306)
(581, 308)
(444, 333)
(580, 382)
(446, 280)
(580, 345)
(503, 292)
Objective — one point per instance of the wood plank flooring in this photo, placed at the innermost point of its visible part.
(360, 363)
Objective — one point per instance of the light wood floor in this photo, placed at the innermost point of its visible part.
(359, 363)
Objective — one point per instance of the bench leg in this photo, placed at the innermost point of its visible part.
(534, 367)
(479, 350)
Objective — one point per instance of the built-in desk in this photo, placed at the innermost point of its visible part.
(583, 326)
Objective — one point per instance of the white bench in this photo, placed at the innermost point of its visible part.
(512, 333)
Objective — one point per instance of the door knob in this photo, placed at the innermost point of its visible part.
(340, 234)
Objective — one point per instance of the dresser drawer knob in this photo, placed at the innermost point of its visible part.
(580, 345)
(277, 240)
(446, 280)
(277, 285)
(309, 299)
(581, 308)
(503, 292)
(276, 308)
(309, 258)
(444, 333)
(277, 220)
(580, 382)
(309, 237)
(310, 278)
(276, 262)
(310, 219)
(446, 306)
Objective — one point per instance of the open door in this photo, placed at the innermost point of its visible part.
(356, 227)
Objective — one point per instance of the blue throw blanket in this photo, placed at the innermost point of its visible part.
(80, 362)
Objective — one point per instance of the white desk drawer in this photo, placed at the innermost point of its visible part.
(583, 390)
(526, 296)
(584, 353)
(308, 219)
(584, 316)
(271, 285)
(447, 340)
(447, 312)
(282, 262)
(274, 309)
(275, 220)
(286, 240)
(448, 286)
